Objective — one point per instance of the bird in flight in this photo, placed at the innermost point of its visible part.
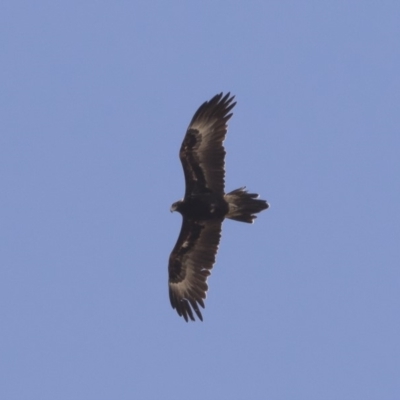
(204, 206)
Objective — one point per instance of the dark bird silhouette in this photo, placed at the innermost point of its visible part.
(204, 206)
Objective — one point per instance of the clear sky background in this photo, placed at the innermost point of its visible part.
(95, 100)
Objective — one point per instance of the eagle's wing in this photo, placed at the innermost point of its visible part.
(190, 264)
(202, 153)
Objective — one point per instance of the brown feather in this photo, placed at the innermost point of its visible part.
(190, 263)
(202, 152)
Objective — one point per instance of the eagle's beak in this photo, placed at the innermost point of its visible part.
(175, 206)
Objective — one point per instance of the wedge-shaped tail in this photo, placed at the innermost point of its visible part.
(243, 205)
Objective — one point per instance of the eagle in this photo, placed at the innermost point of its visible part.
(204, 206)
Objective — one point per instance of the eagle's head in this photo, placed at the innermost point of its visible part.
(176, 206)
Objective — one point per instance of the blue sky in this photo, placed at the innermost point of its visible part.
(95, 99)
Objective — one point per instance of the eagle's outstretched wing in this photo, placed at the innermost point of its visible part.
(190, 264)
(202, 152)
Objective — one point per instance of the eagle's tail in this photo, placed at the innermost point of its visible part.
(243, 206)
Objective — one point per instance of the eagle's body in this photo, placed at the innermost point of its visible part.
(204, 206)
